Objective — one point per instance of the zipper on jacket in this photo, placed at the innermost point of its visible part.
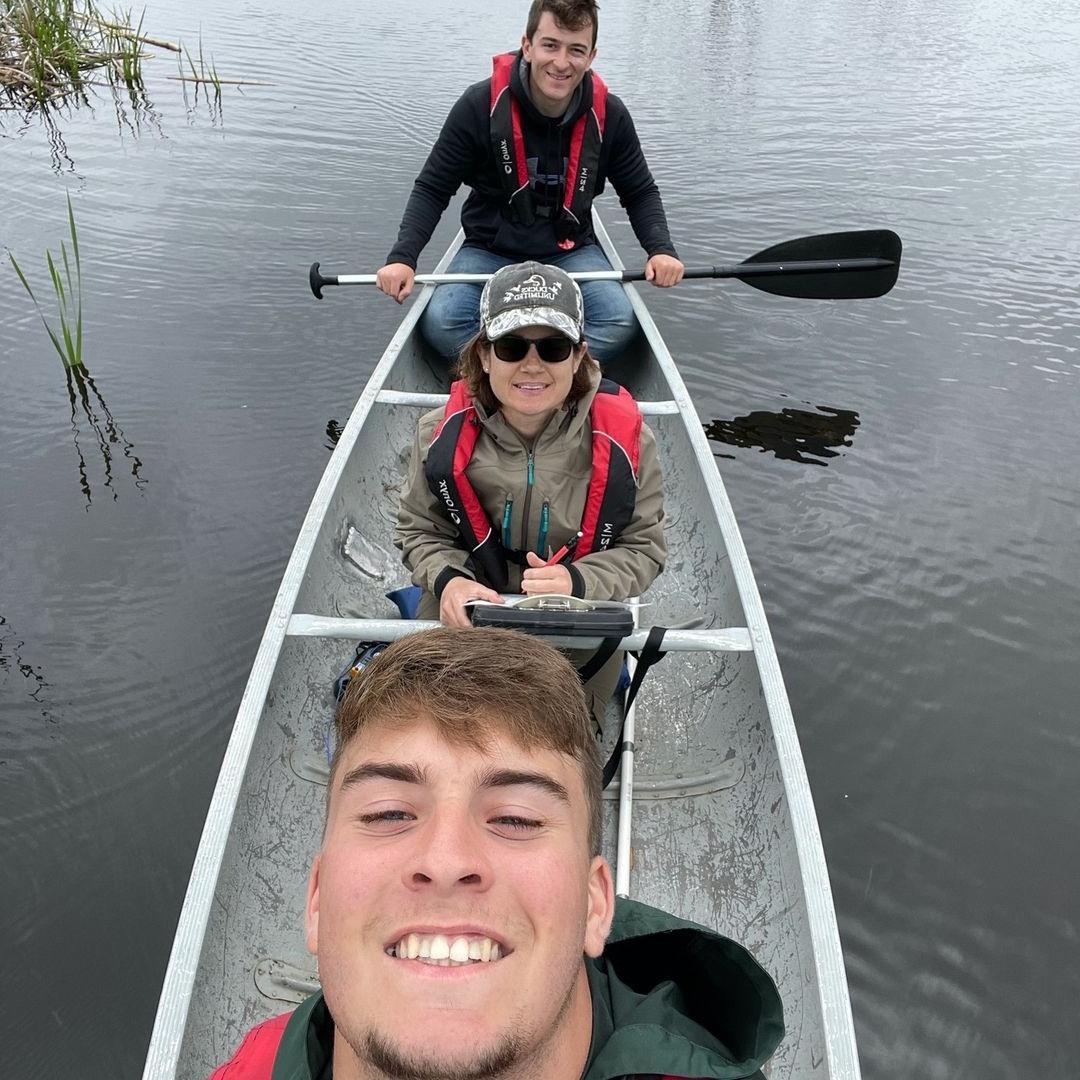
(545, 518)
(508, 514)
(528, 499)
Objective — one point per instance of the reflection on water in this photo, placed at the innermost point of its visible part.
(791, 434)
(206, 87)
(134, 111)
(135, 115)
(11, 660)
(46, 117)
(87, 403)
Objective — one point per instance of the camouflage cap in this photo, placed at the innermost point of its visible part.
(531, 294)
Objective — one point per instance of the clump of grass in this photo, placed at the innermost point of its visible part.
(126, 65)
(86, 399)
(40, 45)
(50, 49)
(68, 289)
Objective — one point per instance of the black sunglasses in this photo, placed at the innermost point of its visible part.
(552, 350)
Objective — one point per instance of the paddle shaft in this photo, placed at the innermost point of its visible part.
(834, 266)
(734, 270)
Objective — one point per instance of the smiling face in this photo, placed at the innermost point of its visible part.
(451, 905)
(530, 390)
(558, 59)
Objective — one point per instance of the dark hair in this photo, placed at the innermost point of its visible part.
(473, 684)
(470, 369)
(568, 14)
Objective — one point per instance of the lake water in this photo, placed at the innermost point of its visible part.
(906, 471)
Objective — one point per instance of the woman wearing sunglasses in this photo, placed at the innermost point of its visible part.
(532, 454)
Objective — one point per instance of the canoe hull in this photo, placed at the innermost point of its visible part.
(724, 828)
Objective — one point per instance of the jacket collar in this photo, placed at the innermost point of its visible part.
(673, 998)
(669, 998)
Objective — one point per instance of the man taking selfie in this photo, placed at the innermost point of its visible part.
(464, 921)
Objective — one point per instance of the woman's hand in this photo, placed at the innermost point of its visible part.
(541, 578)
(452, 602)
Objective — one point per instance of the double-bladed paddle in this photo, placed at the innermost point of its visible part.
(831, 266)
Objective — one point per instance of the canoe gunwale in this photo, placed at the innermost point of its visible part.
(837, 1021)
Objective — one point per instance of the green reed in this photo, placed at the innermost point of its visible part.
(67, 285)
(52, 48)
(202, 73)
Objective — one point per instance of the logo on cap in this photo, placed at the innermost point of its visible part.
(535, 287)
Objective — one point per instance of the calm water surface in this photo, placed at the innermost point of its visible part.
(905, 471)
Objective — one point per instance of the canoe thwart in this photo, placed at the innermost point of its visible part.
(726, 639)
(433, 401)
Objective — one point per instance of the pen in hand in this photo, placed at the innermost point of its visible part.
(564, 550)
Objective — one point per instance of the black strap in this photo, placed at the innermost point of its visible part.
(651, 653)
(598, 659)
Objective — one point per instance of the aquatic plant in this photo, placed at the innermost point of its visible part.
(68, 289)
(202, 74)
(50, 49)
(84, 396)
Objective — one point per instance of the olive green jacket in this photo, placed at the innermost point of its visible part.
(561, 460)
(670, 1000)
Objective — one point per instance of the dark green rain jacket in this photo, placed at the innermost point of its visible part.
(670, 999)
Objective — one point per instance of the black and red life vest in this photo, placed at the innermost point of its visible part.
(609, 505)
(508, 146)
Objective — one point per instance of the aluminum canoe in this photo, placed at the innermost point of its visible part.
(723, 827)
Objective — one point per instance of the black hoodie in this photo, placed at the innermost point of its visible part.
(462, 155)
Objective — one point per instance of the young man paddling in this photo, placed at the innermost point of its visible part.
(536, 143)
(462, 916)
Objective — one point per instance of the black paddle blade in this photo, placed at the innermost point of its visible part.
(872, 257)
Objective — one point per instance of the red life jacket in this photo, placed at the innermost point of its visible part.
(508, 145)
(254, 1058)
(609, 503)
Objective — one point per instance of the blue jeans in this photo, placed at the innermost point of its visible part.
(453, 315)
